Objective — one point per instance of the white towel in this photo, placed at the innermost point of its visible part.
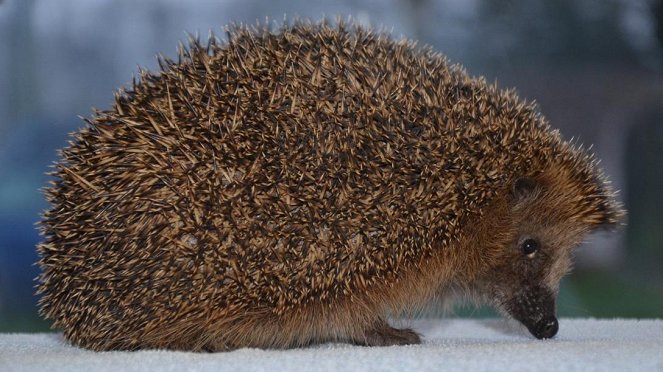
(449, 345)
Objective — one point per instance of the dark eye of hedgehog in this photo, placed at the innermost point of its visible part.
(529, 247)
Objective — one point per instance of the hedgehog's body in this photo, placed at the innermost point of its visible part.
(290, 188)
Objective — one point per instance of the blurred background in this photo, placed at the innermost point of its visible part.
(595, 67)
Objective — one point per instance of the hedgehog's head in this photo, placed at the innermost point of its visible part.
(527, 246)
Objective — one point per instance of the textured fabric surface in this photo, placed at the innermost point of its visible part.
(450, 344)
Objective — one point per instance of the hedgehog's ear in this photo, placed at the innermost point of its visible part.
(522, 188)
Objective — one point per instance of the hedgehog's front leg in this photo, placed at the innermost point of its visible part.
(382, 334)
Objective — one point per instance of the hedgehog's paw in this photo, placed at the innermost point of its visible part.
(385, 335)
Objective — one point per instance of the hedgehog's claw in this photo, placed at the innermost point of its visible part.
(385, 335)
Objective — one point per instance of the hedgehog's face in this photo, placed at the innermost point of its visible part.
(546, 219)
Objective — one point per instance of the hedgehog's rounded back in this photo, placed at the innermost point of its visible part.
(249, 181)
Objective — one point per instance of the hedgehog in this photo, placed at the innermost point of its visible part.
(305, 184)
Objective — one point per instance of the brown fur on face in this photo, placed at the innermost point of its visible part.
(299, 186)
(549, 210)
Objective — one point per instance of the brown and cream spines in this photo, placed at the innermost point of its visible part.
(291, 187)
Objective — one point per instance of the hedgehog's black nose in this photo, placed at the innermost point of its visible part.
(545, 328)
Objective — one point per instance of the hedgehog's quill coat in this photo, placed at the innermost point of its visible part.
(287, 188)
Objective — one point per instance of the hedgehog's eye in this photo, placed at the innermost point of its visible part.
(529, 247)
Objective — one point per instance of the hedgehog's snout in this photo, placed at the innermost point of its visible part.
(534, 307)
(545, 328)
